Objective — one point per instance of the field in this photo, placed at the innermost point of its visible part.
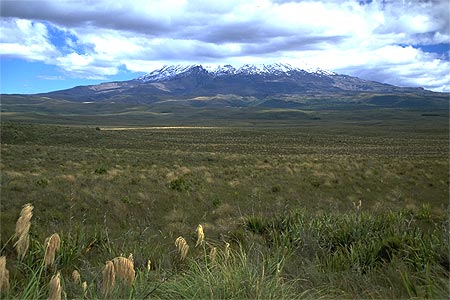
(325, 207)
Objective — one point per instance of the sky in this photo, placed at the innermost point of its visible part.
(52, 45)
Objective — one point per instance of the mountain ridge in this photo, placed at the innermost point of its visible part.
(266, 85)
(168, 72)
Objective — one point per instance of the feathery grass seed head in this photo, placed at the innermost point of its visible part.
(149, 265)
(22, 230)
(227, 250)
(213, 254)
(55, 287)
(109, 278)
(124, 269)
(84, 287)
(200, 235)
(76, 277)
(52, 244)
(182, 246)
(4, 275)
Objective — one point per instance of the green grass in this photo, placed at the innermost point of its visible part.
(283, 195)
(303, 254)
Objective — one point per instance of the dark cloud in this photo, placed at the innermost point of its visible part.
(208, 22)
(297, 43)
(241, 32)
(86, 14)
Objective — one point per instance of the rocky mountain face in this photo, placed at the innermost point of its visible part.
(275, 85)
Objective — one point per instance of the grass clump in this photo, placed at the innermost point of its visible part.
(240, 276)
(372, 251)
(297, 255)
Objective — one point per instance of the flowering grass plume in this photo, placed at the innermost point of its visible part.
(200, 235)
(109, 278)
(4, 276)
(227, 250)
(76, 277)
(84, 287)
(52, 244)
(22, 230)
(358, 205)
(213, 254)
(182, 247)
(124, 269)
(55, 287)
(149, 265)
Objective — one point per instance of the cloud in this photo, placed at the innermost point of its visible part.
(378, 39)
(402, 66)
(27, 39)
(50, 77)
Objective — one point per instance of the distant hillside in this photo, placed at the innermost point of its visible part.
(272, 86)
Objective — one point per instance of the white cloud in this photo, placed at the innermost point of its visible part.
(86, 66)
(26, 39)
(369, 40)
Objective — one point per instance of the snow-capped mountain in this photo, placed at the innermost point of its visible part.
(268, 85)
(277, 69)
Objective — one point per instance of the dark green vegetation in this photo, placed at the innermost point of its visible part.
(233, 110)
(284, 194)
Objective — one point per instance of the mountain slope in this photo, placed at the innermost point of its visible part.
(276, 85)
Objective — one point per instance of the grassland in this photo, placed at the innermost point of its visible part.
(284, 194)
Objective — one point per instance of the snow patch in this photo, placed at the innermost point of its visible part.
(176, 71)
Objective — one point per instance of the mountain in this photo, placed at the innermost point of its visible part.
(273, 86)
(178, 71)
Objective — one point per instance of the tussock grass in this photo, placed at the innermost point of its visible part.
(297, 255)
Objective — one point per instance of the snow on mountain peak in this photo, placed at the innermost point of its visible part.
(169, 72)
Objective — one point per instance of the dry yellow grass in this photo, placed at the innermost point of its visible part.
(124, 269)
(69, 178)
(179, 172)
(182, 247)
(22, 230)
(200, 235)
(113, 173)
(4, 276)
(52, 244)
(234, 183)
(55, 287)
(109, 278)
(13, 174)
(158, 128)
